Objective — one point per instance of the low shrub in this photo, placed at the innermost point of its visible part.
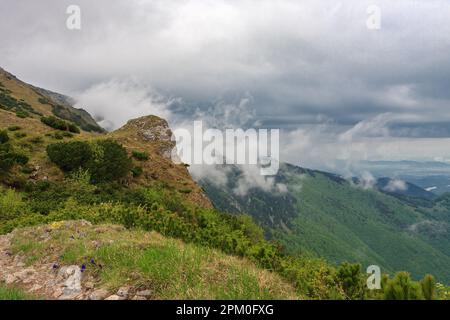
(12, 205)
(37, 140)
(351, 279)
(26, 170)
(69, 156)
(58, 136)
(137, 171)
(20, 135)
(60, 124)
(111, 161)
(22, 114)
(73, 128)
(43, 101)
(8, 158)
(141, 156)
(55, 123)
(14, 128)
(402, 287)
(4, 137)
(20, 158)
(106, 160)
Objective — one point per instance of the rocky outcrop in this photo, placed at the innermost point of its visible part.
(152, 135)
(54, 282)
(151, 130)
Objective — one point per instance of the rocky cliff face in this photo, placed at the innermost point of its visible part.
(152, 135)
(152, 131)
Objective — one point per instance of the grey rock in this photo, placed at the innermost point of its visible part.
(144, 293)
(114, 297)
(71, 276)
(123, 292)
(24, 274)
(99, 294)
(9, 279)
(57, 293)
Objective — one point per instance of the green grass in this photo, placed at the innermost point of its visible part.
(147, 260)
(7, 293)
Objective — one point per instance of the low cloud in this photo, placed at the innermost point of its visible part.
(248, 178)
(114, 102)
(396, 185)
(251, 178)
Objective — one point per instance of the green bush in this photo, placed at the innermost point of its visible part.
(401, 287)
(20, 135)
(26, 170)
(137, 171)
(37, 140)
(110, 162)
(20, 158)
(11, 205)
(4, 137)
(428, 285)
(58, 136)
(6, 163)
(8, 158)
(14, 128)
(55, 123)
(69, 156)
(351, 280)
(22, 114)
(60, 124)
(73, 128)
(43, 101)
(106, 160)
(141, 156)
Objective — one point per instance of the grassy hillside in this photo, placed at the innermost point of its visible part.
(28, 101)
(144, 261)
(329, 217)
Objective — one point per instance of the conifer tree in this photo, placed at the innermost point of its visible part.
(401, 287)
(428, 285)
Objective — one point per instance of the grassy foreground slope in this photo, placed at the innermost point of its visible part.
(113, 257)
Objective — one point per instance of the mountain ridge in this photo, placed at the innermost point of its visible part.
(35, 102)
(334, 218)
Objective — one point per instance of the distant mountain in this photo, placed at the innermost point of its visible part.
(430, 175)
(328, 216)
(403, 188)
(406, 191)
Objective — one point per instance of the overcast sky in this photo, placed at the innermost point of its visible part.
(336, 88)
